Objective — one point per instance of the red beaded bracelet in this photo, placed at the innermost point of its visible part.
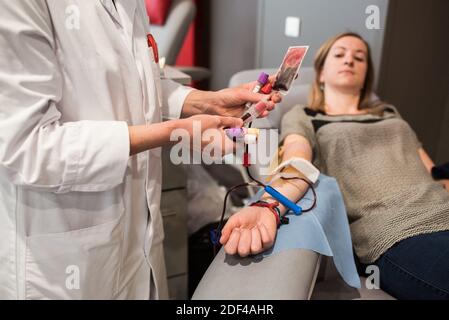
(273, 208)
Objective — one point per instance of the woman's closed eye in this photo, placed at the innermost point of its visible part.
(359, 57)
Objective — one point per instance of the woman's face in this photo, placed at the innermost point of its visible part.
(346, 64)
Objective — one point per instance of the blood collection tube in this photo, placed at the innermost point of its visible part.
(255, 111)
(261, 81)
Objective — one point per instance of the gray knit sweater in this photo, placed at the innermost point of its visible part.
(389, 194)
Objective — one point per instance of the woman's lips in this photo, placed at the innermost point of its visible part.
(347, 72)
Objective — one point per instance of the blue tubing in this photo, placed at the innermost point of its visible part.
(297, 210)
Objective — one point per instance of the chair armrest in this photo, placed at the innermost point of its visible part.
(290, 274)
(196, 73)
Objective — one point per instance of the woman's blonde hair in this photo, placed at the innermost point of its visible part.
(316, 97)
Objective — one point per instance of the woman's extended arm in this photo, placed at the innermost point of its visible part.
(253, 229)
(294, 146)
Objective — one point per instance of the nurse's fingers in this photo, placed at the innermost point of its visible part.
(230, 122)
(244, 243)
(270, 105)
(276, 97)
(256, 242)
(232, 244)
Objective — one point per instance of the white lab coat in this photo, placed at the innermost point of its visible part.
(74, 220)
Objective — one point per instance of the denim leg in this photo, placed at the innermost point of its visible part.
(417, 268)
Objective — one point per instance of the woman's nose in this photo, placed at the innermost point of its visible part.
(349, 60)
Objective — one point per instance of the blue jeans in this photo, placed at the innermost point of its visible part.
(417, 267)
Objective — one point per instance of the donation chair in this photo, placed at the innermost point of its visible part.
(172, 33)
(298, 274)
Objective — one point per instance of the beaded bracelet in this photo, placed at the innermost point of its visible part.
(273, 208)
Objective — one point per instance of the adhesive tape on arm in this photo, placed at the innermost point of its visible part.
(305, 167)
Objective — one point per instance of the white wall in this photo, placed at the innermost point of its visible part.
(233, 39)
(320, 19)
(236, 26)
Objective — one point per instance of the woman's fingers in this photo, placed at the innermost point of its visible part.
(256, 242)
(233, 242)
(232, 224)
(244, 246)
(267, 240)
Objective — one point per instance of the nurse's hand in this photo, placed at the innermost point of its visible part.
(206, 131)
(236, 108)
(231, 101)
(249, 231)
(213, 121)
(196, 131)
(226, 102)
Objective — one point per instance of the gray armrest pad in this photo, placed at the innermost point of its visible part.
(290, 274)
(197, 73)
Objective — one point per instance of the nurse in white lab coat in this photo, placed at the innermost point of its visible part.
(79, 94)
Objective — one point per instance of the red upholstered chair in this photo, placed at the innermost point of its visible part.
(158, 10)
(171, 23)
(176, 17)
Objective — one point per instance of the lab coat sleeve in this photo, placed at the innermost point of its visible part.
(38, 150)
(173, 97)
